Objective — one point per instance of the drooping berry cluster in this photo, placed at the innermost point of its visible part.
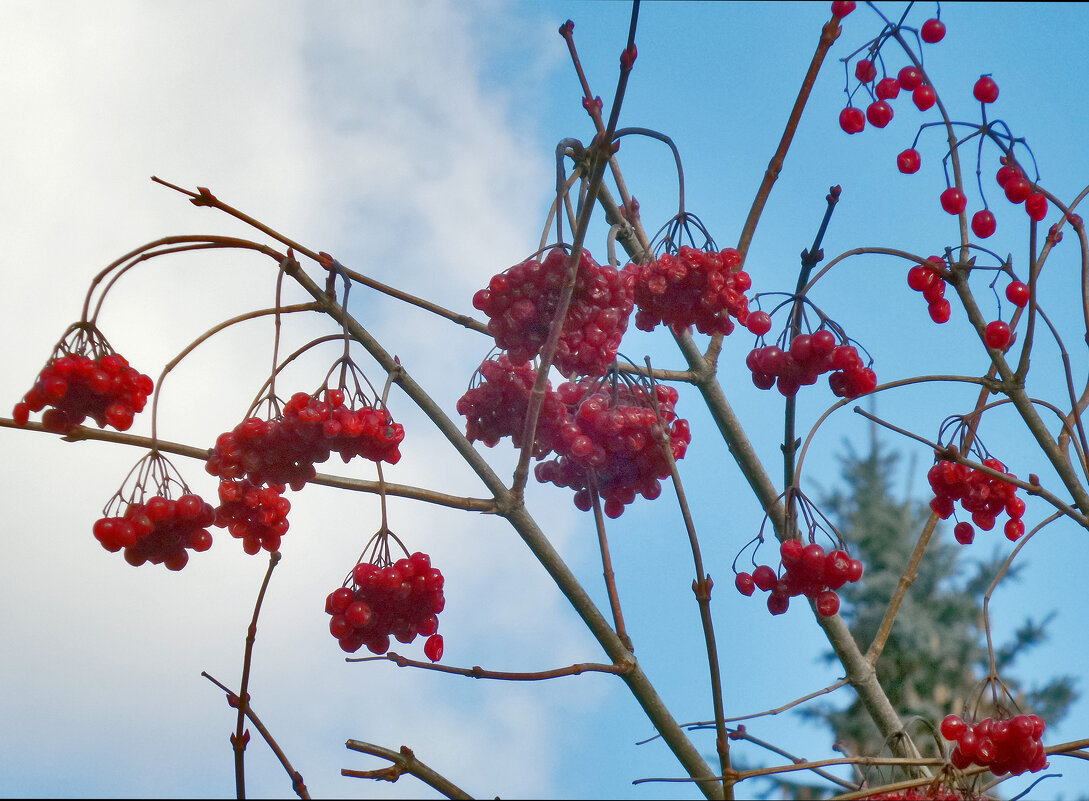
(75, 386)
(402, 600)
(612, 443)
(804, 570)
(254, 514)
(927, 279)
(1010, 745)
(521, 302)
(930, 792)
(979, 494)
(284, 450)
(497, 407)
(808, 357)
(691, 287)
(158, 530)
(1018, 189)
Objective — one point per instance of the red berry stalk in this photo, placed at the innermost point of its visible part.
(83, 379)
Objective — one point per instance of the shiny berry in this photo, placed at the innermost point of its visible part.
(933, 31)
(998, 335)
(852, 120)
(908, 161)
(924, 96)
(983, 223)
(879, 113)
(953, 200)
(1017, 293)
(985, 90)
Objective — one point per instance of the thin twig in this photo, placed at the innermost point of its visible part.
(404, 761)
(477, 672)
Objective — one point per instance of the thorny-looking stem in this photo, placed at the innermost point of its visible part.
(404, 761)
(297, 783)
(239, 738)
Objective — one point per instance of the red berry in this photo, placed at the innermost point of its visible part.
(758, 322)
(887, 89)
(964, 533)
(940, 311)
(1036, 206)
(998, 335)
(908, 161)
(953, 726)
(985, 90)
(983, 224)
(841, 8)
(910, 78)
(933, 31)
(764, 577)
(1017, 188)
(924, 96)
(879, 113)
(852, 120)
(744, 583)
(865, 71)
(953, 200)
(1017, 293)
(433, 647)
(1013, 529)
(827, 603)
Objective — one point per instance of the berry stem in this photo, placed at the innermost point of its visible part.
(607, 568)
(477, 672)
(239, 739)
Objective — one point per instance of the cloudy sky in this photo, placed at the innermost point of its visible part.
(414, 142)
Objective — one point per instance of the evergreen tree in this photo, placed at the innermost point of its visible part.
(936, 653)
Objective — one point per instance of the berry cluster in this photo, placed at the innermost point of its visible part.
(981, 495)
(927, 279)
(1011, 745)
(159, 530)
(1011, 177)
(807, 358)
(521, 302)
(930, 792)
(402, 599)
(254, 514)
(284, 450)
(806, 570)
(691, 287)
(879, 112)
(611, 443)
(497, 407)
(77, 386)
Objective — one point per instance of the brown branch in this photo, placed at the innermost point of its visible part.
(404, 761)
(477, 672)
(297, 783)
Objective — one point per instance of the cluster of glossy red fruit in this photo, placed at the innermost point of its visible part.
(691, 287)
(879, 113)
(927, 279)
(612, 443)
(402, 599)
(930, 792)
(76, 387)
(497, 407)
(254, 514)
(1011, 177)
(980, 494)
(806, 570)
(808, 357)
(284, 450)
(521, 302)
(1011, 745)
(159, 530)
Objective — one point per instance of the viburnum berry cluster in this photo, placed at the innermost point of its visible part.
(691, 287)
(612, 442)
(980, 494)
(152, 526)
(497, 407)
(85, 378)
(380, 600)
(808, 357)
(803, 570)
(285, 449)
(930, 792)
(521, 302)
(927, 278)
(1009, 745)
(255, 514)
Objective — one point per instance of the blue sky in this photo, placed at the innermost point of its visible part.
(415, 142)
